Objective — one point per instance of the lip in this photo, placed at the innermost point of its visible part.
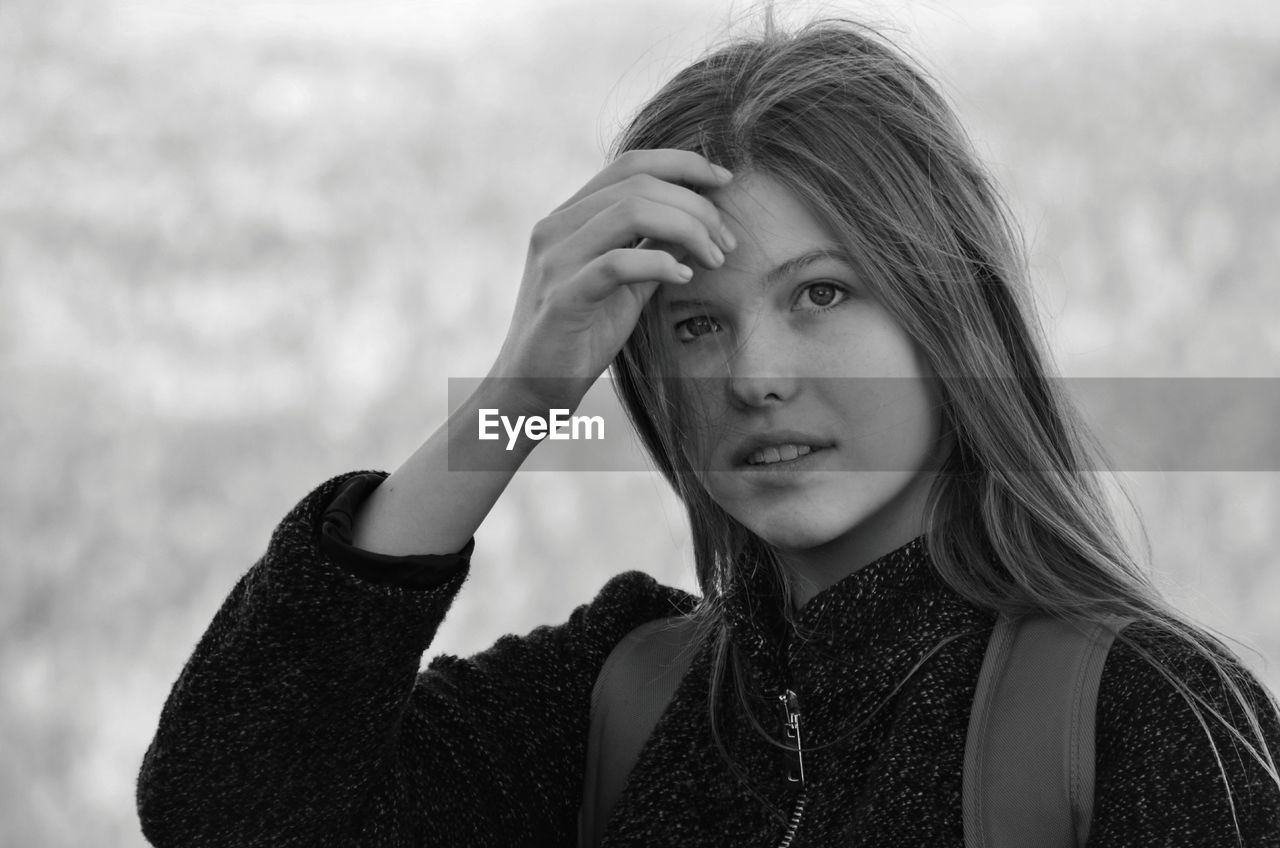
(776, 438)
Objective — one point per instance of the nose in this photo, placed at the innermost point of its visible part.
(761, 370)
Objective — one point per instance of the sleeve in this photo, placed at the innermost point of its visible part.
(1158, 779)
(301, 717)
(426, 571)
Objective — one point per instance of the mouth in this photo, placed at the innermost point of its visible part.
(777, 450)
(773, 454)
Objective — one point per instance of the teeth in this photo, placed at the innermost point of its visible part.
(778, 453)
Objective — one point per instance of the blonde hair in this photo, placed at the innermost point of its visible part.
(1017, 519)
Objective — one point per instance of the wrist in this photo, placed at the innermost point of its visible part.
(527, 396)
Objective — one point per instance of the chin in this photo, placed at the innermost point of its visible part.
(802, 533)
(842, 525)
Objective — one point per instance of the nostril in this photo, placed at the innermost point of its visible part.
(762, 390)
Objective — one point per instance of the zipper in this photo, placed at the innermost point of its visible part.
(789, 704)
(789, 709)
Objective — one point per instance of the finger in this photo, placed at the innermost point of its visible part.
(659, 191)
(624, 266)
(680, 254)
(676, 166)
(635, 218)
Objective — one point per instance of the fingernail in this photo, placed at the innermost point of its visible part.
(723, 173)
(684, 272)
(717, 255)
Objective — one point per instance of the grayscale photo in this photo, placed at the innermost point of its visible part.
(768, 423)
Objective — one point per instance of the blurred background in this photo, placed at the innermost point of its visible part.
(244, 244)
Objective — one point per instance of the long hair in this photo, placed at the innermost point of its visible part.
(1017, 521)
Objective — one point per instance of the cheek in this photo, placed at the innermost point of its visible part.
(894, 417)
(888, 423)
(903, 430)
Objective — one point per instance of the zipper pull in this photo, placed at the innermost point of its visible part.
(791, 720)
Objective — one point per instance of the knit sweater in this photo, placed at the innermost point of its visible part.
(301, 718)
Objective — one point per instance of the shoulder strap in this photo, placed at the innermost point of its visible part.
(1029, 756)
(638, 680)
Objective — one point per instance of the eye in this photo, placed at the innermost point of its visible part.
(822, 295)
(691, 329)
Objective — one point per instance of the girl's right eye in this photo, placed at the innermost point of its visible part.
(691, 329)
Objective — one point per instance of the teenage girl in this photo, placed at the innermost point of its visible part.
(812, 301)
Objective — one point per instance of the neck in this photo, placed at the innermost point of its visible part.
(889, 528)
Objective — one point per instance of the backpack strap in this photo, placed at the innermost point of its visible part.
(1029, 755)
(634, 687)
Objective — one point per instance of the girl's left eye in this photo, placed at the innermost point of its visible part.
(823, 295)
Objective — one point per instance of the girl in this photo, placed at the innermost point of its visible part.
(811, 299)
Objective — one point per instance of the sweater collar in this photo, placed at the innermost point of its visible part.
(854, 606)
(887, 615)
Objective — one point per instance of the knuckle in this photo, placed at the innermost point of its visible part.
(629, 159)
(543, 233)
(614, 265)
(638, 183)
(631, 210)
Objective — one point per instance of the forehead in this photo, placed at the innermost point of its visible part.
(767, 211)
(773, 227)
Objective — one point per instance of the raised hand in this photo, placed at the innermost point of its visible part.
(595, 261)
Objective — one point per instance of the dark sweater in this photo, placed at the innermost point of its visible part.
(301, 717)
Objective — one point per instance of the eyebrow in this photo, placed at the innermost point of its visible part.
(784, 269)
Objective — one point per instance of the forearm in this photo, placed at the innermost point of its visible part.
(436, 500)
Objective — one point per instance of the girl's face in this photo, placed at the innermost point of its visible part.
(813, 411)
